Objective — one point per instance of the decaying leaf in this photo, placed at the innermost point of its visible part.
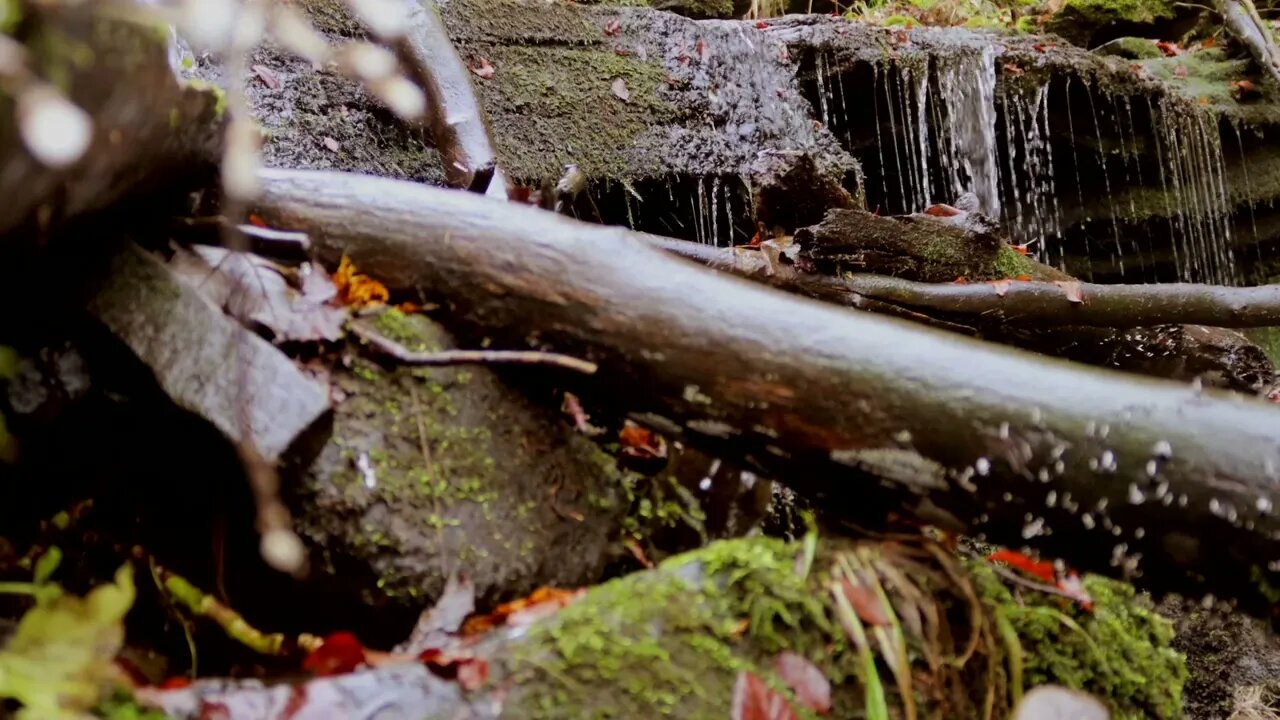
(620, 90)
(865, 603)
(811, 687)
(267, 76)
(542, 602)
(58, 664)
(638, 441)
(941, 210)
(356, 289)
(255, 290)
(482, 68)
(1072, 289)
(753, 699)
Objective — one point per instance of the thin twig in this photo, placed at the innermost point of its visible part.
(469, 357)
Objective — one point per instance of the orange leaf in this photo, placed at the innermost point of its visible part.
(540, 603)
(638, 441)
(960, 281)
(865, 603)
(1209, 42)
(941, 210)
(1014, 559)
(753, 699)
(1001, 287)
(1013, 69)
(811, 687)
(1023, 278)
(341, 652)
(1169, 49)
(357, 290)
(1072, 289)
(1022, 250)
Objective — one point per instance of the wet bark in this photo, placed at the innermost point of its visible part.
(861, 412)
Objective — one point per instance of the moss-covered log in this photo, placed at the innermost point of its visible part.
(1113, 472)
(947, 638)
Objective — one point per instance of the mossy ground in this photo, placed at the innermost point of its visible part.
(671, 642)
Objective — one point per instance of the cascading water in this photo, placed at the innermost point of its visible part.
(966, 94)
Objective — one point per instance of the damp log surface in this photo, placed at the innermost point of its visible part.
(1112, 472)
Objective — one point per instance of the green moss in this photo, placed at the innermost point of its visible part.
(411, 331)
(10, 15)
(219, 95)
(1120, 652)
(1269, 340)
(1010, 263)
(671, 642)
(1077, 20)
(1131, 48)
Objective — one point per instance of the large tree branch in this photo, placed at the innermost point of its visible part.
(865, 413)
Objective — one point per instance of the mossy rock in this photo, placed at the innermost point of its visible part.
(672, 642)
(434, 470)
(1131, 48)
(1080, 21)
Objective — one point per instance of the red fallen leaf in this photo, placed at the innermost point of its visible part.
(1244, 90)
(941, 210)
(472, 674)
(1001, 286)
(1022, 250)
(341, 652)
(1013, 69)
(1044, 47)
(267, 76)
(638, 441)
(960, 281)
(483, 69)
(176, 682)
(700, 48)
(1023, 278)
(612, 28)
(811, 687)
(257, 221)
(620, 90)
(1072, 289)
(1042, 569)
(762, 25)
(330, 143)
(865, 603)
(1168, 48)
(1180, 71)
(753, 699)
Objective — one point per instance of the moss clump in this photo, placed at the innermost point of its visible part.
(1011, 264)
(1078, 20)
(1131, 48)
(1120, 652)
(672, 641)
(10, 15)
(1268, 339)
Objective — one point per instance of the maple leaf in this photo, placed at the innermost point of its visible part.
(1169, 49)
(753, 699)
(1072, 289)
(865, 603)
(341, 652)
(483, 69)
(638, 441)
(1001, 286)
(811, 687)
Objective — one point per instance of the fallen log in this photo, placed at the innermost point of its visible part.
(1154, 480)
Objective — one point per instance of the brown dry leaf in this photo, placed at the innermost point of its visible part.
(357, 290)
(1072, 289)
(638, 441)
(267, 76)
(330, 143)
(620, 90)
(483, 69)
(753, 699)
(811, 687)
(254, 290)
(540, 603)
(865, 603)
(1001, 287)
